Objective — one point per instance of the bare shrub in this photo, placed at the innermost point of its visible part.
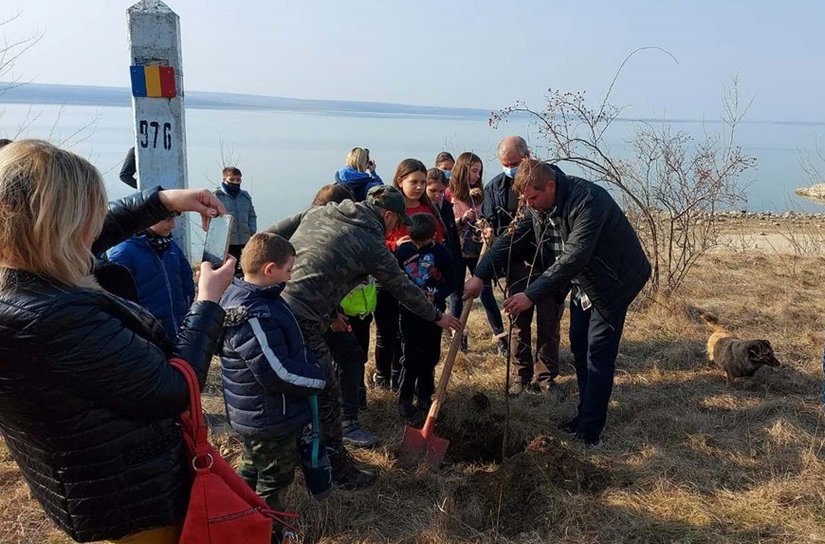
(672, 185)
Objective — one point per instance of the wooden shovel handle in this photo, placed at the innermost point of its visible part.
(444, 379)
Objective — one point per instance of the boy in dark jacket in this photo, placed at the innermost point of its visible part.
(430, 266)
(270, 378)
(161, 274)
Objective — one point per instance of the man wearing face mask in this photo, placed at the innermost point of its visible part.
(238, 204)
(501, 206)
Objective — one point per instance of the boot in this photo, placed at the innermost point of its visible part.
(345, 470)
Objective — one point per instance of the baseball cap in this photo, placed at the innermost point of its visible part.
(390, 198)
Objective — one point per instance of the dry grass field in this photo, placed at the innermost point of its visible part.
(686, 459)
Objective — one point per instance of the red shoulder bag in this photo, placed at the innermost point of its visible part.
(223, 509)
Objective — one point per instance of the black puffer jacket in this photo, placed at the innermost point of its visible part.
(88, 402)
(600, 248)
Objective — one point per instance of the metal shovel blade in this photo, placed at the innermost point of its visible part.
(417, 447)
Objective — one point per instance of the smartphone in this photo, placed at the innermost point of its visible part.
(217, 240)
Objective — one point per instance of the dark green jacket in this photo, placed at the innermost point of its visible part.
(338, 246)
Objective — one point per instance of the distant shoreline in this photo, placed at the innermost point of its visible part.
(89, 95)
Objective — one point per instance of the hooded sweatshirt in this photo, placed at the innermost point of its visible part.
(358, 182)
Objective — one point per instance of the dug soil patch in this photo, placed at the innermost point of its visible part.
(520, 491)
(476, 435)
(478, 440)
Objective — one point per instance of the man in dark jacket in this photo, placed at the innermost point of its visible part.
(603, 258)
(500, 209)
(338, 246)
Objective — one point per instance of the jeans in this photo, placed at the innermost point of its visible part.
(488, 300)
(594, 342)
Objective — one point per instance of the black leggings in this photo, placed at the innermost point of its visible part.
(387, 337)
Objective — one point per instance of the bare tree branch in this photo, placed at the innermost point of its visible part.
(672, 186)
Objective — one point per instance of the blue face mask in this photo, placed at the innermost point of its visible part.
(448, 174)
(510, 172)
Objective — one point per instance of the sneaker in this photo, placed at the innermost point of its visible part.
(356, 436)
(569, 427)
(406, 410)
(345, 470)
(380, 382)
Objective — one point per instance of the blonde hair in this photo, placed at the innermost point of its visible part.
(52, 207)
(358, 158)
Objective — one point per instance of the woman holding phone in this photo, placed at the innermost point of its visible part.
(88, 403)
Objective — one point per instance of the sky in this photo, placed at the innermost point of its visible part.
(459, 53)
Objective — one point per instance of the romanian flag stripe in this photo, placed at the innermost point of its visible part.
(138, 80)
(153, 81)
(167, 81)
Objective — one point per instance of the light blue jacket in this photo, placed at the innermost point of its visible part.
(243, 212)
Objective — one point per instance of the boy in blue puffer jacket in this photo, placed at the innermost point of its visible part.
(161, 274)
(270, 378)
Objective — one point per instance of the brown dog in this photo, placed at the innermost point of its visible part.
(738, 358)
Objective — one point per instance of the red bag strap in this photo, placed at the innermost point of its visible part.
(195, 408)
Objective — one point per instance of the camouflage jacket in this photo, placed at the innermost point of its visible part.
(338, 246)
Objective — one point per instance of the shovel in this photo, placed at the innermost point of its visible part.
(423, 444)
